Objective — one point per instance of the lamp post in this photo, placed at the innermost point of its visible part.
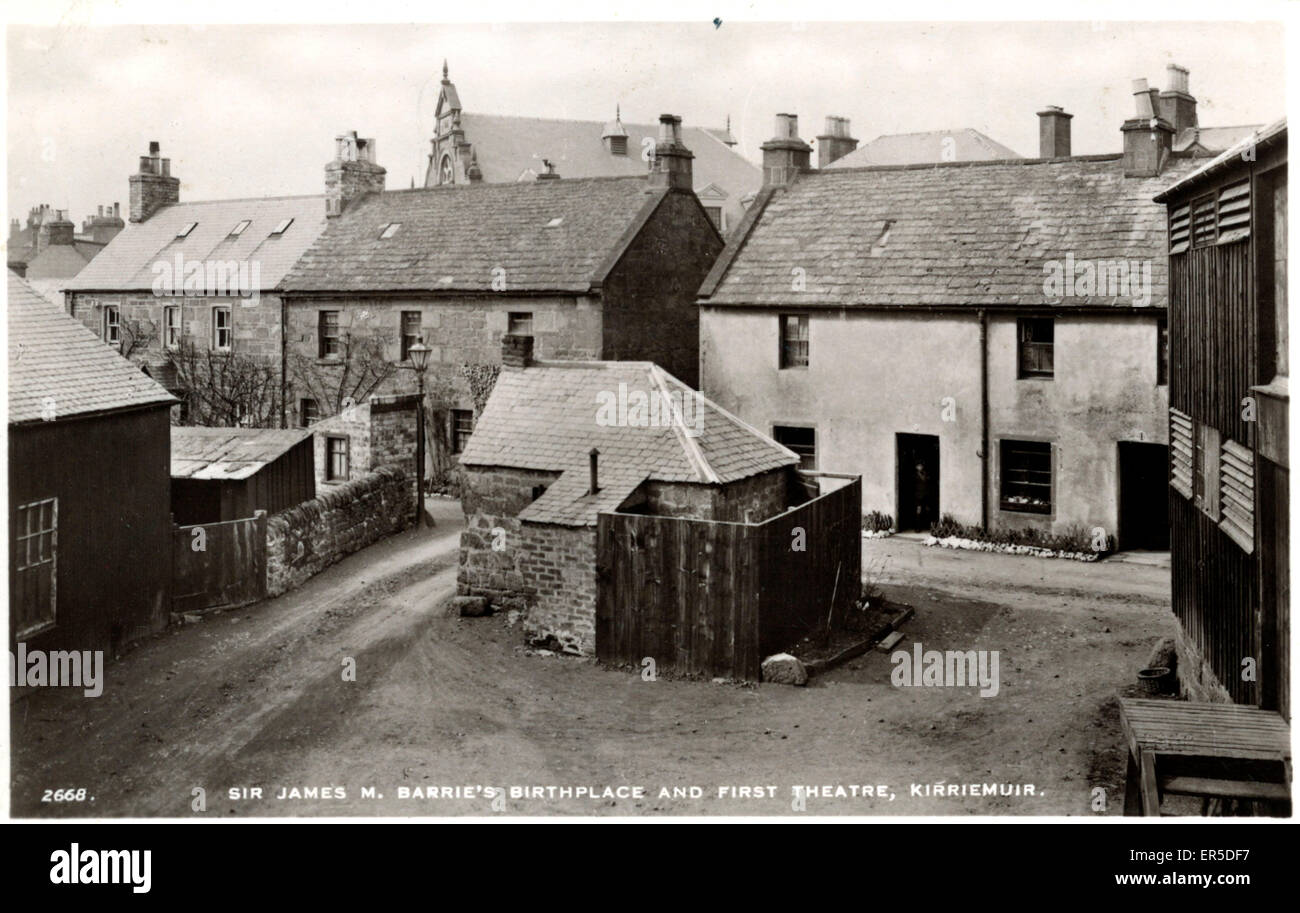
(418, 355)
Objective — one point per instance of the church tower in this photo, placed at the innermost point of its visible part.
(450, 156)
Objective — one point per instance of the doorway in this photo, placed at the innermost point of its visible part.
(1143, 496)
(918, 481)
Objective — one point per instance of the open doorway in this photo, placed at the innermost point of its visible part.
(1143, 496)
(918, 481)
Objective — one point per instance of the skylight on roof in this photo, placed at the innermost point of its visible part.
(389, 230)
(556, 222)
(184, 232)
(239, 229)
(282, 227)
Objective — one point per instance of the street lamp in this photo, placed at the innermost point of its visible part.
(418, 356)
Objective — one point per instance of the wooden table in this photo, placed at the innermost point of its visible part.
(1216, 751)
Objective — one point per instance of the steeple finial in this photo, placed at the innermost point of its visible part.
(444, 69)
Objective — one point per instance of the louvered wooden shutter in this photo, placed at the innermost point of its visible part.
(1203, 222)
(1180, 228)
(1237, 494)
(1180, 452)
(1234, 212)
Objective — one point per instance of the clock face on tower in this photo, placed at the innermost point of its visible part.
(445, 173)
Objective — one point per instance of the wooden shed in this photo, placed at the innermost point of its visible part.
(221, 474)
(1228, 403)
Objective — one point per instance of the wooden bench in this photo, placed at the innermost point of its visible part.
(1216, 751)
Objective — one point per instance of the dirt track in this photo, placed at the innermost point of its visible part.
(256, 699)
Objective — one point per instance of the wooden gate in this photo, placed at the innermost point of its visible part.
(219, 565)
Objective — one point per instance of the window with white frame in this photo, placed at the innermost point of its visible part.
(221, 328)
(172, 326)
(33, 596)
(112, 325)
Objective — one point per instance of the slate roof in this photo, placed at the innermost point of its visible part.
(1264, 136)
(126, 264)
(62, 261)
(228, 453)
(52, 355)
(1212, 140)
(508, 148)
(965, 234)
(452, 238)
(967, 145)
(546, 418)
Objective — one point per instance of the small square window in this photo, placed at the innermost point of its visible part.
(239, 229)
(1027, 476)
(389, 230)
(186, 229)
(520, 323)
(282, 227)
(803, 441)
(1036, 336)
(715, 216)
(556, 222)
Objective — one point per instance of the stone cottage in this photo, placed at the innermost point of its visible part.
(560, 442)
(187, 290)
(599, 268)
(980, 339)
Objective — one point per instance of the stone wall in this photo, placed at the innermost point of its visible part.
(1196, 680)
(381, 432)
(501, 491)
(763, 496)
(304, 540)
(255, 323)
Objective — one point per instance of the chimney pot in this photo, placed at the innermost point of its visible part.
(594, 456)
(154, 147)
(836, 142)
(152, 187)
(1142, 98)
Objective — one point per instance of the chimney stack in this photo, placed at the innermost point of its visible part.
(1176, 104)
(56, 229)
(1054, 133)
(1148, 140)
(153, 187)
(516, 351)
(836, 142)
(353, 173)
(548, 171)
(785, 155)
(671, 166)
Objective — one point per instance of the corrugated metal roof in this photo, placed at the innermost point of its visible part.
(227, 453)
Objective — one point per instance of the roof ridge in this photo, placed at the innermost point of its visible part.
(287, 196)
(693, 453)
(580, 120)
(925, 166)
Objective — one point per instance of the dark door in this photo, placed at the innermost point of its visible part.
(1143, 496)
(918, 481)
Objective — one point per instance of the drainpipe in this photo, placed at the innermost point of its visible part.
(984, 418)
(594, 455)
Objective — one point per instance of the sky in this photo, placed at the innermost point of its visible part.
(245, 111)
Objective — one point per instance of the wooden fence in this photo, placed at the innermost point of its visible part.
(712, 599)
(219, 564)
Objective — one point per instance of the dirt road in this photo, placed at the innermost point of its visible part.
(451, 706)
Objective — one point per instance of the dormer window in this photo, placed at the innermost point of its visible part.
(389, 230)
(618, 145)
(239, 229)
(282, 227)
(184, 232)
